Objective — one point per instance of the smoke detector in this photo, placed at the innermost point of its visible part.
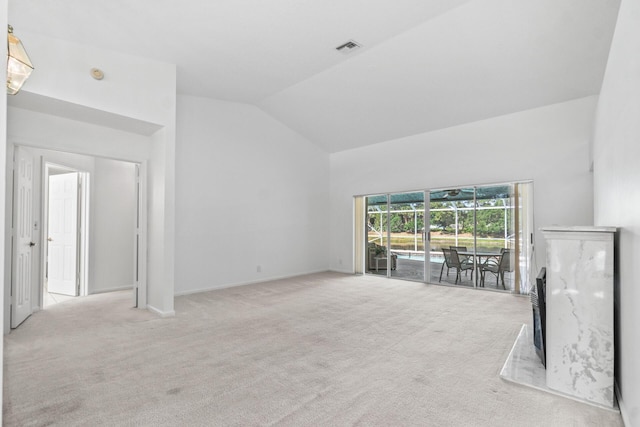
(348, 47)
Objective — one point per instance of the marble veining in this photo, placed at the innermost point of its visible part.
(525, 368)
(523, 365)
(580, 351)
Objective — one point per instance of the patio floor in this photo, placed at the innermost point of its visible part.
(409, 269)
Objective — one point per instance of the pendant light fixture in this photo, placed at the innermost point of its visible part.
(19, 66)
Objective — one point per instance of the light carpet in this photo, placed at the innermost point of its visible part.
(319, 350)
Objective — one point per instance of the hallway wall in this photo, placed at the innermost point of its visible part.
(114, 213)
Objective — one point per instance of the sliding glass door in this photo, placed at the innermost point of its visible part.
(476, 236)
(452, 226)
(406, 241)
(473, 228)
(395, 235)
(376, 234)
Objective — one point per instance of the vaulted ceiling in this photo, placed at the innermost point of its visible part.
(423, 64)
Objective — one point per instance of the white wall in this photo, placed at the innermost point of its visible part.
(113, 217)
(617, 195)
(4, 272)
(161, 213)
(133, 86)
(250, 192)
(134, 92)
(51, 132)
(549, 145)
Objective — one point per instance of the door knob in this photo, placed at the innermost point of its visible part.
(50, 239)
(32, 244)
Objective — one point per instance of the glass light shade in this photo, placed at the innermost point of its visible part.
(19, 66)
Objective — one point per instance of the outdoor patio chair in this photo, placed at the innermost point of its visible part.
(447, 262)
(497, 267)
(451, 260)
(461, 249)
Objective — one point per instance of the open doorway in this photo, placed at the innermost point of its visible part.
(78, 225)
(103, 252)
(65, 214)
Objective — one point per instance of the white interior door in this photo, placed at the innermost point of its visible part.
(21, 283)
(63, 234)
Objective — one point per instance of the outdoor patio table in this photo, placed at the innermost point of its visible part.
(480, 256)
(378, 259)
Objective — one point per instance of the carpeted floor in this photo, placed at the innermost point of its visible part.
(323, 349)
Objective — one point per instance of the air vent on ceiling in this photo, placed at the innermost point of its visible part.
(349, 46)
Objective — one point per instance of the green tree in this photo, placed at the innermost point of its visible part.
(396, 224)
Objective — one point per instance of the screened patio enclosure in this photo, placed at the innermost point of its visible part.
(406, 238)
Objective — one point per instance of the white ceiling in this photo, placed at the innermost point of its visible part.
(424, 64)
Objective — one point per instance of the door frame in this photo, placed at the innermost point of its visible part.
(140, 237)
(82, 225)
(140, 290)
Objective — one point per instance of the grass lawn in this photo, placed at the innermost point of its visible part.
(406, 241)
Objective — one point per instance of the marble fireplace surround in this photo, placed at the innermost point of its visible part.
(523, 367)
(580, 335)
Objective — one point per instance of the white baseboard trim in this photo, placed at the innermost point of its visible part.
(104, 291)
(161, 313)
(251, 282)
(337, 270)
(621, 406)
